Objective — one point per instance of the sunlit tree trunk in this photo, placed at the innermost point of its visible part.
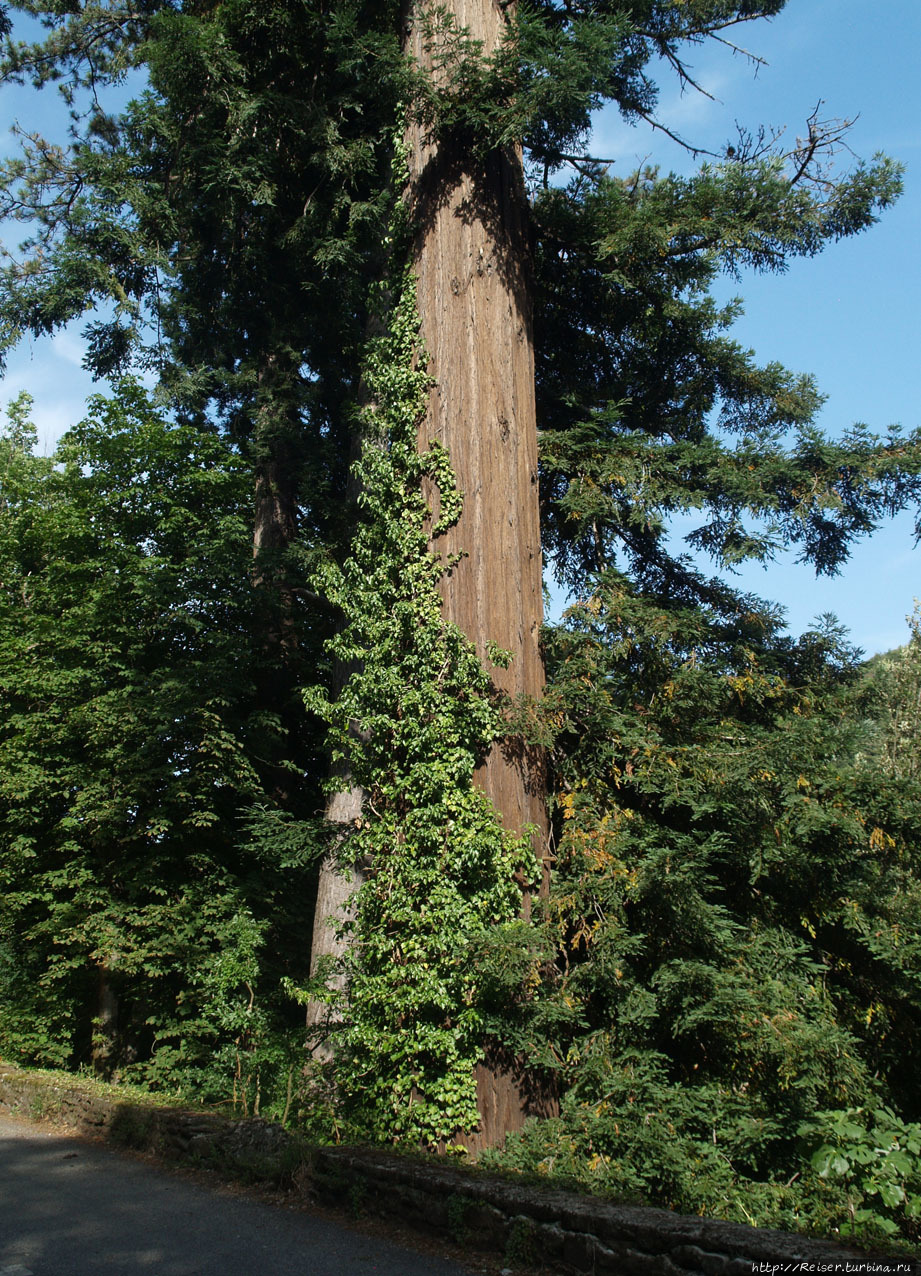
(471, 261)
(338, 882)
(472, 265)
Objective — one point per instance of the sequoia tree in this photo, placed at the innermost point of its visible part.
(475, 283)
(368, 243)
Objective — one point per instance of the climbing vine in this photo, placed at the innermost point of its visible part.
(410, 726)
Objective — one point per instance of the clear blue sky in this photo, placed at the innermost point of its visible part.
(848, 316)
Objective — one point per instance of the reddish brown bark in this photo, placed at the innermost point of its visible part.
(473, 284)
(471, 265)
(471, 262)
(275, 501)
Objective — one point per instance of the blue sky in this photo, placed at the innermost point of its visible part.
(848, 316)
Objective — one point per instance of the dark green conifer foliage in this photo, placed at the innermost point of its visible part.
(894, 713)
(733, 901)
(226, 222)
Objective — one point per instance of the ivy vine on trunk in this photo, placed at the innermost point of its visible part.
(411, 725)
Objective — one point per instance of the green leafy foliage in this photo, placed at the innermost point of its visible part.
(220, 229)
(735, 897)
(411, 724)
(656, 411)
(877, 1157)
(894, 690)
(130, 733)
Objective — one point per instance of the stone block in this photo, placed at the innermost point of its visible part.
(485, 1226)
(697, 1260)
(550, 1239)
(579, 1250)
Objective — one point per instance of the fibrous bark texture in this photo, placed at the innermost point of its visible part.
(471, 262)
(275, 522)
(472, 269)
(335, 904)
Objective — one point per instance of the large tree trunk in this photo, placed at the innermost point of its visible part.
(276, 444)
(336, 889)
(275, 515)
(472, 267)
(471, 260)
(339, 877)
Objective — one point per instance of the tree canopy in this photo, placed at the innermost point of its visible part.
(135, 752)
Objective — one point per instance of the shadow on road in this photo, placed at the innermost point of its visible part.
(70, 1208)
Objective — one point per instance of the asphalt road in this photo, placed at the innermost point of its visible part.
(70, 1208)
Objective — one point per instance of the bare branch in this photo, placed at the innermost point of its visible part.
(685, 78)
(751, 147)
(754, 58)
(813, 154)
(676, 137)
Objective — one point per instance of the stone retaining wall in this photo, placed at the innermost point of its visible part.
(535, 1224)
(532, 1227)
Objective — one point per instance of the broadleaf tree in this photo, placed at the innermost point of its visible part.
(135, 753)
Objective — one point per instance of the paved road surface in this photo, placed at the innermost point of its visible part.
(69, 1208)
